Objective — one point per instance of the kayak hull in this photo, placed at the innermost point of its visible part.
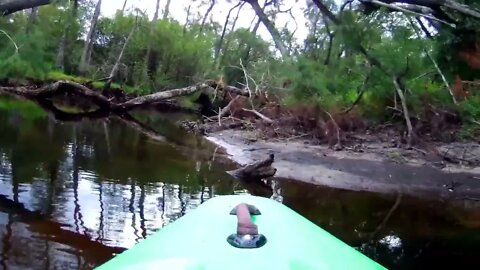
(198, 240)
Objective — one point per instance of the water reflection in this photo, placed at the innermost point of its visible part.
(72, 194)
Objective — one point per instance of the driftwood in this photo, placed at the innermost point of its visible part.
(256, 171)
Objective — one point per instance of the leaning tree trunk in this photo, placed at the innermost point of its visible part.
(32, 18)
(114, 70)
(212, 4)
(124, 6)
(150, 56)
(270, 27)
(219, 45)
(167, 10)
(187, 21)
(246, 57)
(88, 46)
(60, 60)
(227, 43)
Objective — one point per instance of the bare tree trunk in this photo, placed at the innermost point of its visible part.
(270, 27)
(32, 18)
(157, 8)
(234, 23)
(167, 10)
(212, 4)
(114, 70)
(188, 18)
(399, 88)
(60, 60)
(330, 42)
(219, 45)
(246, 57)
(88, 47)
(124, 6)
(150, 59)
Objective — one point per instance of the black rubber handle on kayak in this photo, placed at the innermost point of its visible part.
(247, 235)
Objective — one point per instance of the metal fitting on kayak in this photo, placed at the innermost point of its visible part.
(247, 235)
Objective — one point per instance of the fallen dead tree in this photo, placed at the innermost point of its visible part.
(104, 103)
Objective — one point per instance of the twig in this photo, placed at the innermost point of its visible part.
(11, 39)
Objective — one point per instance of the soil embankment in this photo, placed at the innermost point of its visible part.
(376, 167)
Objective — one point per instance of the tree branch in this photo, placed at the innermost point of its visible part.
(445, 82)
(11, 6)
(405, 10)
(10, 38)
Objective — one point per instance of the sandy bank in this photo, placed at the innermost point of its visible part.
(377, 169)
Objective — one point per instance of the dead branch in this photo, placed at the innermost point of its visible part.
(404, 10)
(228, 88)
(361, 91)
(223, 112)
(406, 114)
(338, 145)
(256, 171)
(11, 40)
(113, 72)
(434, 62)
(149, 99)
(263, 117)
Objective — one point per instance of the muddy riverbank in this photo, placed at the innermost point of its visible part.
(376, 167)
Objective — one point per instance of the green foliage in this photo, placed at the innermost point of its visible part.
(29, 62)
(29, 110)
(326, 70)
(244, 47)
(470, 109)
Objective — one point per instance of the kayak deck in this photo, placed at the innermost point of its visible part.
(198, 240)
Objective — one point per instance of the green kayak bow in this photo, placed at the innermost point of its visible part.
(241, 232)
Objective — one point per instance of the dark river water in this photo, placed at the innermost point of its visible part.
(73, 194)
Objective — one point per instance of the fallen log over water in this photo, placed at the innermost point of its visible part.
(104, 103)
